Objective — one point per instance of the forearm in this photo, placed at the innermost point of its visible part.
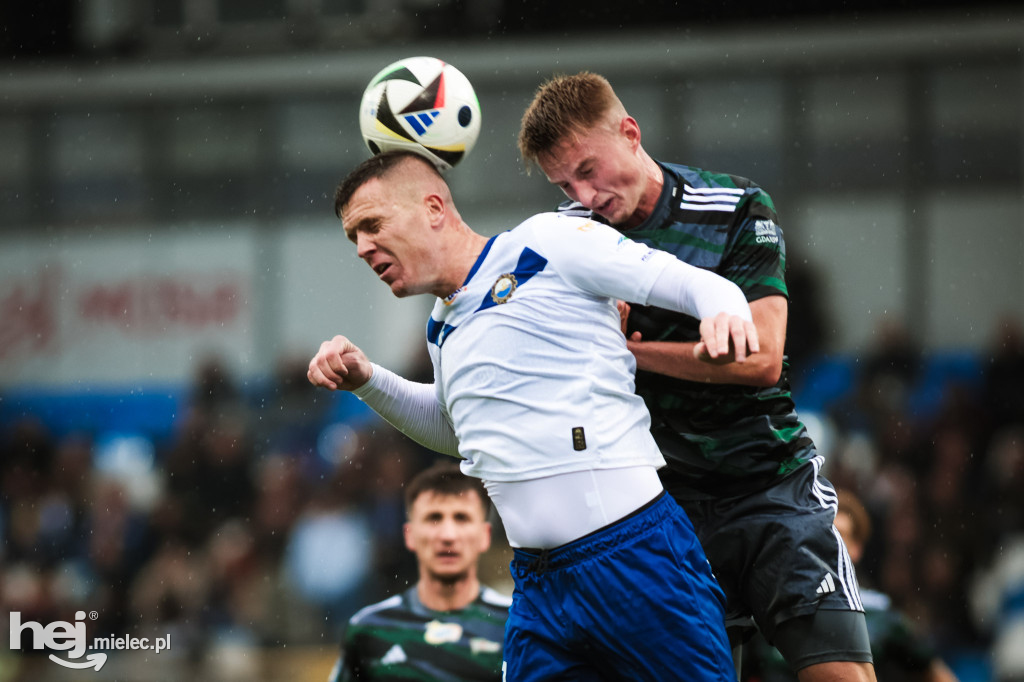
(698, 293)
(676, 359)
(411, 407)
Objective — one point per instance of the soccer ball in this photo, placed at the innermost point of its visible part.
(421, 104)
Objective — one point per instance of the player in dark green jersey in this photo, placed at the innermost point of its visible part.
(447, 626)
(739, 459)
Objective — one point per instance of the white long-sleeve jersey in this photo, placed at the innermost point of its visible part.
(532, 374)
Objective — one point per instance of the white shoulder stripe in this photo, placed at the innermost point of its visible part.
(722, 199)
(686, 206)
(495, 598)
(710, 199)
(389, 603)
(713, 190)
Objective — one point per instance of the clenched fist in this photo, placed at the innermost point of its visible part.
(339, 364)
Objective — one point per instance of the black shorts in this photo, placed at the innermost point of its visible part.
(776, 553)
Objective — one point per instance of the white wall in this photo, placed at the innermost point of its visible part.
(132, 308)
(975, 267)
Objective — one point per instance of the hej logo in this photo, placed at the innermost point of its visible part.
(59, 635)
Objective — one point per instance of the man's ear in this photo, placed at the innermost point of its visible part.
(486, 541)
(630, 129)
(436, 209)
(407, 534)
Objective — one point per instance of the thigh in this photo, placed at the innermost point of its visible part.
(653, 610)
(538, 659)
(825, 637)
(777, 553)
(848, 671)
(537, 645)
(542, 642)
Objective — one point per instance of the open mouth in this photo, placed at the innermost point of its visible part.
(381, 268)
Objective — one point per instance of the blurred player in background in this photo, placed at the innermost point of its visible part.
(534, 391)
(446, 627)
(898, 651)
(739, 459)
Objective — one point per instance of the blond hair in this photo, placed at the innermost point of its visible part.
(561, 106)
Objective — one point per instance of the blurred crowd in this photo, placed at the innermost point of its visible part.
(933, 443)
(269, 515)
(264, 520)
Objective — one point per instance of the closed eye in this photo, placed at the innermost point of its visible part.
(366, 226)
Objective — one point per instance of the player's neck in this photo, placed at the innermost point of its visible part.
(460, 259)
(443, 595)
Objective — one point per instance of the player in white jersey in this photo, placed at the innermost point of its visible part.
(534, 391)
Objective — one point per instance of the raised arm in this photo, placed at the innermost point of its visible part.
(687, 360)
(409, 406)
(726, 329)
(599, 260)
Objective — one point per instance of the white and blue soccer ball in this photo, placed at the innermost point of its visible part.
(421, 104)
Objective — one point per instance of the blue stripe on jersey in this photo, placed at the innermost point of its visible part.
(438, 331)
(530, 263)
(480, 259)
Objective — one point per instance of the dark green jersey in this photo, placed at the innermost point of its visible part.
(719, 440)
(401, 639)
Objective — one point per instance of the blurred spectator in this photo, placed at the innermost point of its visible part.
(292, 414)
(807, 331)
(214, 391)
(170, 596)
(1003, 484)
(894, 362)
(27, 455)
(394, 460)
(210, 464)
(1004, 374)
(881, 394)
(330, 551)
(279, 501)
(997, 601)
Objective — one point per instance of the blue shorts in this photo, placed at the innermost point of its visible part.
(635, 600)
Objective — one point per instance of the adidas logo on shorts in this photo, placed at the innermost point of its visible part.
(827, 585)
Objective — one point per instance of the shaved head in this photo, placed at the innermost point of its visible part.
(401, 169)
(399, 212)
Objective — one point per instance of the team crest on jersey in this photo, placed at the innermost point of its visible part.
(503, 288)
(442, 633)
